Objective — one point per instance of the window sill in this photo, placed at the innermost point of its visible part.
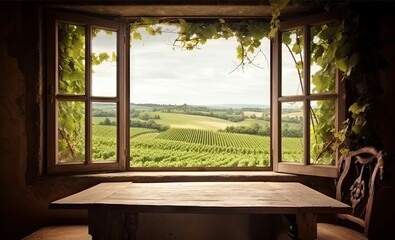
(190, 176)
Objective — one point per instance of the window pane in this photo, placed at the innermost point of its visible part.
(292, 132)
(322, 70)
(104, 131)
(104, 63)
(190, 109)
(71, 55)
(322, 125)
(292, 63)
(71, 131)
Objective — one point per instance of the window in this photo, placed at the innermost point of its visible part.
(110, 109)
(307, 97)
(85, 56)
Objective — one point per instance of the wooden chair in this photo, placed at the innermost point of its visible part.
(356, 187)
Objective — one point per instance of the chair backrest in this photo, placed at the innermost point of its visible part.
(356, 185)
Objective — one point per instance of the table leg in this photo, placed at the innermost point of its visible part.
(131, 224)
(306, 225)
(98, 224)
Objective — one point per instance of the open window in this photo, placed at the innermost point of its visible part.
(115, 102)
(307, 97)
(85, 55)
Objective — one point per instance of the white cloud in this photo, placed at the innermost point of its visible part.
(162, 74)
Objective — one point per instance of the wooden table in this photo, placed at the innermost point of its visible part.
(201, 197)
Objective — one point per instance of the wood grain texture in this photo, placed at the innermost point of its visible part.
(242, 197)
(202, 197)
(90, 196)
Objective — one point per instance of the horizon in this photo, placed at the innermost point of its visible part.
(235, 105)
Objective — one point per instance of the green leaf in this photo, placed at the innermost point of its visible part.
(239, 52)
(150, 30)
(279, 3)
(184, 26)
(251, 49)
(149, 21)
(62, 144)
(286, 38)
(158, 30)
(209, 31)
(341, 65)
(344, 151)
(325, 33)
(103, 56)
(296, 48)
(316, 79)
(299, 65)
(137, 36)
(319, 51)
(258, 30)
(356, 109)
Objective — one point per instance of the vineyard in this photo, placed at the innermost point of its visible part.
(205, 148)
(186, 147)
(202, 148)
(220, 139)
(104, 145)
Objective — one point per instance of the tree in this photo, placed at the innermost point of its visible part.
(107, 121)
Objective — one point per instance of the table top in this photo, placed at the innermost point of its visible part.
(205, 197)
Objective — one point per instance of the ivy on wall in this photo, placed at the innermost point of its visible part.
(355, 52)
(358, 57)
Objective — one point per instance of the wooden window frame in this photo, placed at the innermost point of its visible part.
(305, 167)
(53, 18)
(123, 151)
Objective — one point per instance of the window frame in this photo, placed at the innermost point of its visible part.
(53, 18)
(123, 151)
(305, 167)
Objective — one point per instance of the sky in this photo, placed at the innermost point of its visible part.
(104, 75)
(163, 74)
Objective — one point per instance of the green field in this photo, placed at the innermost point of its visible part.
(191, 141)
(178, 120)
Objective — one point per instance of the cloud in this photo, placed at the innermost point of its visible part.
(163, 74)
(167, 75)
